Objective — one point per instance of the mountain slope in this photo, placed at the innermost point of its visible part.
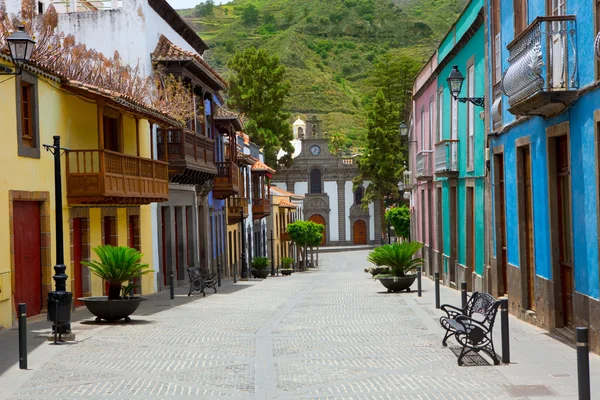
(328, 46)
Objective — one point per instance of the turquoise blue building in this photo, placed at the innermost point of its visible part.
(543, 127)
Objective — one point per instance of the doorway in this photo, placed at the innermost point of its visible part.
(360, 232)
(28, 260)
(470, 250)
(439, 230)
(526, 226)
(452, 211)
(77, 257)
(320, 220)
(501, 225)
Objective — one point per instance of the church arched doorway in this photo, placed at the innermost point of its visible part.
(360, 232)
(320, 220)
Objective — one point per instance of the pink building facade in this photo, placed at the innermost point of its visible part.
(421, 162)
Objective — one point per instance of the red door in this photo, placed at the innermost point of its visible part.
(320, 220)
(28, 260)
(163, 211)
(360, 232)
(77, 255)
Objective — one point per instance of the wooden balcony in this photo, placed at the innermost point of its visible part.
(261, 208)
(226, 183)
(191, 156)
(446, 159)
(284, 237)
(107, 177)
(542, 76)
(234, 206)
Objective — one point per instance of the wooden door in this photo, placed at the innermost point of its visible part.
(501, 223)
(163, 213)
(528, 217)
(77, 256)
(470, 231)
(440, 229)
(111, 133)
(452, 210)
(320, 220)
(360, 232)
(564, 228)
(28, 260)
(134, 243)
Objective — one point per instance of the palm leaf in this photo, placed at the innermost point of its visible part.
(117, 264)
(399, 257)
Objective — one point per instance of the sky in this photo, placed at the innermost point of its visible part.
(177, 4)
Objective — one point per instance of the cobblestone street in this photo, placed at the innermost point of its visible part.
(328, 333)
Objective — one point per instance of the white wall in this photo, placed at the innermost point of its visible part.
(349, 201)
(280, 185)
(301, 188)
(334, 228)
(372, 214)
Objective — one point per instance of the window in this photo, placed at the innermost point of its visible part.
(422, 123)
(40, 7)
(520, 7)
(454, 131)
(440, 115)
(358, 196)
(497, 44)
(27, 117)
(470, 114)
(315, 181)
(430, 127)
(597, 31)
(112, 134)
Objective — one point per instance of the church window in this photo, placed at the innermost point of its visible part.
(315, 181)
(358, 196)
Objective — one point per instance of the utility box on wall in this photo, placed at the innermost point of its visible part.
(4, 286)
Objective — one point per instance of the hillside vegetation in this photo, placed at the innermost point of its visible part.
(328, 46)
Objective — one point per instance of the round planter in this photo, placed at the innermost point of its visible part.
(286, 271)
(261, 274)
(379, 270)
(111, 310)
(398, 284)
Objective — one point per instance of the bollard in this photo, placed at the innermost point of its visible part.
(172, 284)
(463, 294)
(505, 332)
(234, 272)
(22, 336)
(437, 289)
(583, 364)
(419, 281)
(219, 275)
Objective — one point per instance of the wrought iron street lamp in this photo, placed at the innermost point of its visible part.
(403, 128)
(21, 47)
(455, 82)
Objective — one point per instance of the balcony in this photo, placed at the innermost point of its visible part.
(261, 208)
(234, 205)
(227, 181)
(542, 76)
(284, 237)
(107, 177)
(446, 159)
(191, 156)
(424, 165)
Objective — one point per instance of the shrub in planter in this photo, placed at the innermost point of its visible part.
(400, 259)
(286, 263)
(259, 267)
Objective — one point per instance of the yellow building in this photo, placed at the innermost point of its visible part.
(283, 212)
(109, 179)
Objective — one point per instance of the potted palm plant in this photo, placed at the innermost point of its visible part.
(400, 259)
(286, 262)
(116, 265)
(259, 267)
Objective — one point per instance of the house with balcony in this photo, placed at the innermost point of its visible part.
(283, 213)
(544, 126)
(448, 153)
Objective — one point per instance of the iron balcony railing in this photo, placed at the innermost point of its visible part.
(446, 156)
(424, 164)
(542, 58)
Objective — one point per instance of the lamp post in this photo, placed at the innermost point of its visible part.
(403, 128)
(455, 82)
(21, 47)
(272, 255)
(243, 230)
(59, 301)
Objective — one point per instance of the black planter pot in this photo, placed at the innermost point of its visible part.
(379, 270)
(111, 310)
(260, 273)
(286, 271)
(398, 284)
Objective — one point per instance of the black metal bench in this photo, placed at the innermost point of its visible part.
(473, 334)
(201, 279)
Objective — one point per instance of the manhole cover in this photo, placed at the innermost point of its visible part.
(529, 390)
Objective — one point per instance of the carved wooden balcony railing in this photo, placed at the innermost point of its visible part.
(227, 181)
(446, 158)
(234, 207)
(424, 165)
(107, 177)
(261, 208)
(542, 76)
(191, 156)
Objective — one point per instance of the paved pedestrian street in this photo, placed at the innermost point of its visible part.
(331, 332)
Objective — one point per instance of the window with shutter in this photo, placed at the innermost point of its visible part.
(497, 50)
(454, 119)
(440, 115)
(470, 115)
(520, 7)
(422, 122)
(431, 126)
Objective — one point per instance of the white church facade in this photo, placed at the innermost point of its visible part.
(326, 182)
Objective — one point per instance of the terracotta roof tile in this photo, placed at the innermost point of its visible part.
(167, 51)
(287, 204)
(259, 166)
(223, 112)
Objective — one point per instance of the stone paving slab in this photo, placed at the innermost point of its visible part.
(330, 333)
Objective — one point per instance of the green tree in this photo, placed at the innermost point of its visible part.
(258, 89)
(305, 234)
(336, 143)
(269, 18)
(250, 14)
(205, 9)
(383, 154)
(399, 218)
